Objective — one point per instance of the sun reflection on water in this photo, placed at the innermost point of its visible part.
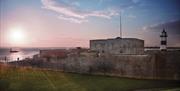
(16, 56)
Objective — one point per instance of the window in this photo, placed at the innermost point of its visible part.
(120, 51)
(102, 51)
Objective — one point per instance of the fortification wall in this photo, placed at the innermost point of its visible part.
(118, 46)
(167, 65)
(153, 65)
(134, 66)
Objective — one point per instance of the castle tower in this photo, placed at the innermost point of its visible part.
(163, 46)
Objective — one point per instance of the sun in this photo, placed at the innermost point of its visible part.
(17, 35)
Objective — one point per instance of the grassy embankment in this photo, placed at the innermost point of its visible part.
(28, 79)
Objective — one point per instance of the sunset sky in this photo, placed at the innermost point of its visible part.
(72, 23)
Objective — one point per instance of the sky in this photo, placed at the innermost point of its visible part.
(72, 23)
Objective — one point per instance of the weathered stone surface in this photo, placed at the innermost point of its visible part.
(118, 46)
(152, 65)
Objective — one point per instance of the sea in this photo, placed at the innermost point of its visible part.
(7, 56)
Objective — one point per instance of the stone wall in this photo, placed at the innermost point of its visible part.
(167, 65)
(152, 65)
(118, 46)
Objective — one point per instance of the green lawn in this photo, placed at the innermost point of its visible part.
(27, 79)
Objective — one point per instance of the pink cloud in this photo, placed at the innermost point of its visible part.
(71, 13)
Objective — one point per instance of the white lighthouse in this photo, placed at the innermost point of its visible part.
(163, 36)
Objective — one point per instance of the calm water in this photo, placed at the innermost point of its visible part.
(23, 53)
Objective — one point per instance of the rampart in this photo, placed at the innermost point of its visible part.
(151, 65)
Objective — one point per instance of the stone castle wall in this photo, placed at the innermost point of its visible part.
(152, 65)
(167, 65)
(118, 46)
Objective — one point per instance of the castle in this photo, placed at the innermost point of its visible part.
(118, 46)
(127, 46)
(123, 57)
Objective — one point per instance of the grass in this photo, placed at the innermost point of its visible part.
(28, 79)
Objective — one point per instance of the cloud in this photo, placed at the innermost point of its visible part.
(72, 19)
(173, 30)
(173, 27)
(71, 13)
(136, 1)
(75, 3)
(131, 16)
